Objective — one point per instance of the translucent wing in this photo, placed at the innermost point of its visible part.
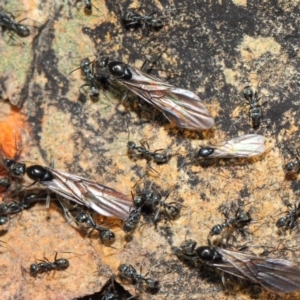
(276, 275)
(182, 107)
(100, 198)
(243, 146)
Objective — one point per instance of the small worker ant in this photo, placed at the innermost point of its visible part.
(46, 266)
(129, 272)
(255, 109)
(142, 151)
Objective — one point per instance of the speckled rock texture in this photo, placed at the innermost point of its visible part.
(213, 48)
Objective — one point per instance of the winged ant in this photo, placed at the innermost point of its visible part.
(7, 22)
(104, 200)
(248, 145)
(179, 106)
(275, 275)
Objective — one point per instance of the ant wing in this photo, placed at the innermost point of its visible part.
(100, 198)
(182, 107)
(243, 146)
(276, 275)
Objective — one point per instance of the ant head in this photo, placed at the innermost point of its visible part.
(188, 246)
(16, 169)
(107, 236)
(281, 222)
(248, 92)
(217, 229)
(34, 269)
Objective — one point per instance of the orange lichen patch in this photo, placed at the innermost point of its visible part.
(11, 124)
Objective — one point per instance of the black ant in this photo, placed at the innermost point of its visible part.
(46, 266)
(255, 110)
(142, 200)
(129, 272)
(159, 158)
(92, 84)
(290, 220)
(15, 207)
(106, 235)
(146, 198)
(241, 219)
(82, 217)
(133, 20)
(171, 210)
(133, 219)
(94, 81)
(146, 201)
(293, 167)
(7, 22)
(186, 251)
(11, 166)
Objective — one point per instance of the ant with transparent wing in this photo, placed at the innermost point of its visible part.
(274, 274)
